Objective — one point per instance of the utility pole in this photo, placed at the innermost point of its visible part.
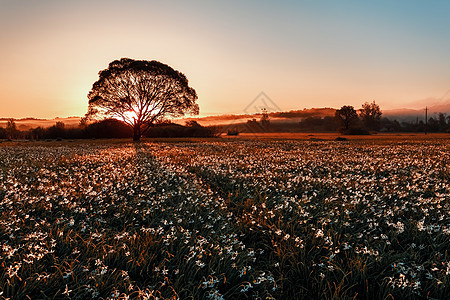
(426, 119)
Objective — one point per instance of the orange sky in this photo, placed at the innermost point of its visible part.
(300, 53)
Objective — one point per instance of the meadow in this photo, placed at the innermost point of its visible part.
(225, 219)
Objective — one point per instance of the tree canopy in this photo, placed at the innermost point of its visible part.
(141, 93)
(11, 129)
(370, 114)
(346, 116)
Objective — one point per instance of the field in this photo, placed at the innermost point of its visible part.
(301, 218)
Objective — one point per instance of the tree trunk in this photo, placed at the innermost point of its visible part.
(136, 133)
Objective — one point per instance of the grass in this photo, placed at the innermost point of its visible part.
(226, 218)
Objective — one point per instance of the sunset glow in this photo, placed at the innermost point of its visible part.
(129, 117)
(257, 149)
(301, 53)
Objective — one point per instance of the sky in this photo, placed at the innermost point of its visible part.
(301, 54)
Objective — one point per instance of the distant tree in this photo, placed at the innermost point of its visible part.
(3, 133)
(389, 125)
(56, 131)
(265, 122)
(171, 130)
(194, 129)
(370, 114)
(396, 126)
(346, 116)
(442, 122)
(83, 123)
(141, 93)
(38, 133)
(192, 123)
(420, 127)
(253, 126)
(108, 128)
(11, 129)
(329, 124)
(433, 125)
(311, 124)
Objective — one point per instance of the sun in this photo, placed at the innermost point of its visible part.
(129, 116)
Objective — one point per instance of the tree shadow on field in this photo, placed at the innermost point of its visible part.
(142, 151)
(145, 159)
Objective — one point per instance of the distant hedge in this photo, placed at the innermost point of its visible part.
(175, 130)
(110, 128)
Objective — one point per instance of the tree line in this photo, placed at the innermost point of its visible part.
(370, 119)
(346, 120)
(108, 128)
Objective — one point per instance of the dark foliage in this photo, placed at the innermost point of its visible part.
(232, 132)
(3, 133)
(318, 124)
(355, 131)
(109, 128)
(346, 117)
(141, 93)
(370, 114)
(11, 129)
(113, 128)
(170, 130)
(57, 131)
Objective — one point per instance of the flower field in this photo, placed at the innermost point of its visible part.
(231, 219)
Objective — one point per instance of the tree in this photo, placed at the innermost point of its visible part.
(265, 122)
(57, 131)
(370, 114)
(38, 133)
(442, 122)
(346, 116)
(141, 93)
(193, 123)
(3, 133)
(11, 129)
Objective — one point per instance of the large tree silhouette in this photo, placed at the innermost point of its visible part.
(140, 93)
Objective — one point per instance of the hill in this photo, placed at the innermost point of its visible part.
(29, 123)
(292, 116)
(411, 115)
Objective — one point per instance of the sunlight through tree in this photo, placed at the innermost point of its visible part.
(141, 93)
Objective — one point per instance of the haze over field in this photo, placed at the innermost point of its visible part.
(303, 54)
(295, 115)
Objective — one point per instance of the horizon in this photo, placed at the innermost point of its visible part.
(393, 114)
(302, 54)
